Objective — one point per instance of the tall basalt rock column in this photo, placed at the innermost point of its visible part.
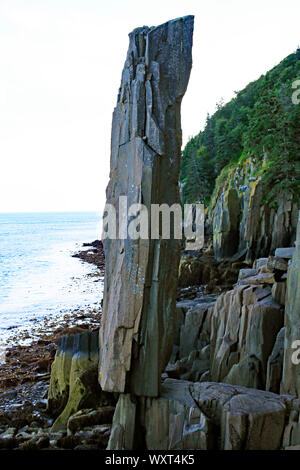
(141, 275)
(291, 368)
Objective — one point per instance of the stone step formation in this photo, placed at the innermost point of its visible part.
(202, 375)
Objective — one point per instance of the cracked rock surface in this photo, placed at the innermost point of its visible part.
(136, 334)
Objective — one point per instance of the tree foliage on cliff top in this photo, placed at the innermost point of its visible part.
(261, 121)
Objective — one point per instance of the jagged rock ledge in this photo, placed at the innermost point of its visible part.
(203, 416)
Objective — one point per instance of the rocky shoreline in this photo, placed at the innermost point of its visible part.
(25, 375)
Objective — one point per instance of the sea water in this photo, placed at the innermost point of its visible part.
(38, 276)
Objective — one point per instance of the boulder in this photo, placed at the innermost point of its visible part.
(262, 278)
(226, 220)
(136, 334)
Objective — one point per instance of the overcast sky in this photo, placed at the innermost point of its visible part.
(60, 69)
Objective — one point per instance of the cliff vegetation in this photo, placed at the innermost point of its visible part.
(260, 124)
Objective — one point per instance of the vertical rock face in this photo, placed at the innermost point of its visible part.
(141, 275)
(242, 223)
(291, 371)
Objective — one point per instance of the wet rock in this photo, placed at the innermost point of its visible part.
(260, 262)
(94, 254)
(7, 443)
(68, 442)
(8, 394)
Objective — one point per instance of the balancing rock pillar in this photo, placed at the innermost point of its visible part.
(136, 335)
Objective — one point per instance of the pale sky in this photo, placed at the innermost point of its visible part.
(60, 70)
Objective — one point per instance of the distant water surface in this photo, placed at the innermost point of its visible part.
(38, 276)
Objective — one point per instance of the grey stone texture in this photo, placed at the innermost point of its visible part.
(136, 335)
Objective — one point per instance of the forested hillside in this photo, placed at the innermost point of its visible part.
(261, 122)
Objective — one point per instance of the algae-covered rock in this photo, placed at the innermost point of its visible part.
(243, 222)
(74, 378)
